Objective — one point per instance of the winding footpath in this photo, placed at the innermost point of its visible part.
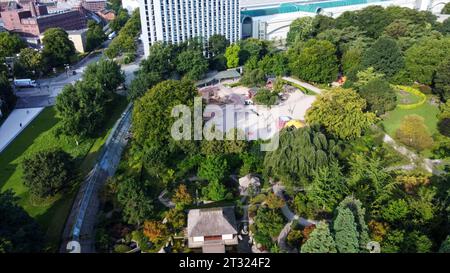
(291, 217)
(303, 84)
(428, 164)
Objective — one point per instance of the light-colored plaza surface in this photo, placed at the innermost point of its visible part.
(12, 125)
(257, 121)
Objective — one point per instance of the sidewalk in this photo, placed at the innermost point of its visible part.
(11, 127)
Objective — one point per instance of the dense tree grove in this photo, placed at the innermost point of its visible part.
(268, 224)
(153, 135)
(300, 30)
(441, 80)
(135, 198)
(217, 44)
(125, 41)
(423, 58)
(192, 64)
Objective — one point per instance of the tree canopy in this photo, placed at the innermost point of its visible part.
(320, 240)
(423, 58)
(95, 36)
(30, 63)
(384, 56)
(316, 61)
(47, 172)
(136, 200)
(7, 97)
(414, 133)
(214, 167)
(232, 55)
(345, 232)
(192, 64)
(379, 95)
(58, 48)
(301, 152)
(19, 233)
(106, 73)
(82, 108)
(10, 44)
(152, 121)
(300, 30)
(341, 113)
(441, 80)
(217, 44)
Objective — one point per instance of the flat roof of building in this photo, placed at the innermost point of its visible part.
(311, 7)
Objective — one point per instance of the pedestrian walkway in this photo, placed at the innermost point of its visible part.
(17, 120)
(303, 84)
(278, 189)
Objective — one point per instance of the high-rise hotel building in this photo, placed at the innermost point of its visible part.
(175, 21)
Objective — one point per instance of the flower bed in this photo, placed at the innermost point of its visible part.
(413, 91)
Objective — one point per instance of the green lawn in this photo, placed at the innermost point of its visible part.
(393, 119)
(40, 135)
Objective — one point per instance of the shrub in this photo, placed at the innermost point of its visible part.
(414, 133)
(121, 248)
(266, 97)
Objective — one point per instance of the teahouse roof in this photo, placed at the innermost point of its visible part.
(212, 221)
(247, 180)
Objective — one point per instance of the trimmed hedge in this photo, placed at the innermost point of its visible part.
(423, 97)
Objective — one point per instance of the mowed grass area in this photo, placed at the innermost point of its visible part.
(404, 97)
(391, 122)
(40, 135)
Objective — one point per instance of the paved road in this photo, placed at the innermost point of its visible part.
(80, 225)
(48, 89)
